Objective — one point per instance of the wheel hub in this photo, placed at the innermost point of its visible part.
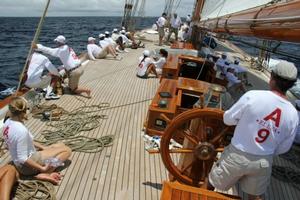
(204, 151)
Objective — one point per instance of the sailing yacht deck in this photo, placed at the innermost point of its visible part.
(124, 170)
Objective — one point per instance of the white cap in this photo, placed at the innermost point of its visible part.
(146, 53)
(115, 30)
(91, 39)
(60, 39)
(101, 35)
(106, 33)
(122, 31)
(286, 70)
(123, 28)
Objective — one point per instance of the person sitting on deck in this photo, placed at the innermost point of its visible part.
(105, 44)
(161, 61)
(145, 66)
(266, 124)
(234, 83)
(8, 177)
(95, 51)
(42, 74)
(115, 34)
(112, 42)
(240, 71)
(70, 61)
(22, 148)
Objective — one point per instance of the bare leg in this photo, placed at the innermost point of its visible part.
(151, 69)
(79, 91)
(111, 51)
(53, 177)
(8, 177)
(58, 150)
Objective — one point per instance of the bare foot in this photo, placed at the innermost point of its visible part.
(88, 92)
(53, 178)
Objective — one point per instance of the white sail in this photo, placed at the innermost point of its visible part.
(216, 8)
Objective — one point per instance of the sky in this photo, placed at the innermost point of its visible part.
(29, 8)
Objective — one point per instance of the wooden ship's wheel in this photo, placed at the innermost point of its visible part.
(204, 135)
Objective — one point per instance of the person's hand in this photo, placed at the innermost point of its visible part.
(34, 45)
(45, 168)
(62, 73)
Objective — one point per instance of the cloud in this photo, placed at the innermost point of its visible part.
(83, 7)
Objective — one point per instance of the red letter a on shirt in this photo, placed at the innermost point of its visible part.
(275, 116)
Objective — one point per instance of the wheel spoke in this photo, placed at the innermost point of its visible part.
(181, 150)
(186, 167)
(219, 136)
(187, 134)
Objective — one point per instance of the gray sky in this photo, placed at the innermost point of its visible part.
(26, 8)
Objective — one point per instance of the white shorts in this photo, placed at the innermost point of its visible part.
(39, 83)
(251, 171)
(103, 53)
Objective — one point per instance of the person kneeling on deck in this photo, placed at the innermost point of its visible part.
(95, 51)
(42, 74)
(145, 66)
(266, 124)
(22, 147)
(70, 61)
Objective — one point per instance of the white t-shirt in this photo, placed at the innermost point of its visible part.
(115, 36)
(110, 41)
(297, 138)
(19, 141)
(238, 68)
(38, 64)
(159, 64)
(125, 39)
(143, 66)
(176, 22)
(265, 123)
(65, 53)
(93, 51)
(161, 22)
(232, 79)
(221, 66)
(103, 43)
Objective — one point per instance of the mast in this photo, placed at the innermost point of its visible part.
(275, 22)
(197, 10)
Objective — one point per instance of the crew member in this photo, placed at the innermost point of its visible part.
(145, 66)
(161, 61)
(95, 51)
(161, 27)
(175, 25)
(266, 124)
(28, 160)
(70, 62)
(42, 74)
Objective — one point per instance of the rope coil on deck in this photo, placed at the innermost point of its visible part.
(70, 124)
(35, 189)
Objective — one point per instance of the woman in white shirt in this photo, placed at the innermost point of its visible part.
(28, 160)
(161, 61)
(145, 66)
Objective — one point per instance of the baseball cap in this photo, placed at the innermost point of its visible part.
(115, 30)
(286, 70)
(101, 35)
(91, 39)
(106, 33)
(60, 39)
(122, 31)
(146, 53)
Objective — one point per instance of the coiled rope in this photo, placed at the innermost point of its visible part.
(40, 190)
(70, 124)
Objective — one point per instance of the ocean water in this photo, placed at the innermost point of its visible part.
(16, 35)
